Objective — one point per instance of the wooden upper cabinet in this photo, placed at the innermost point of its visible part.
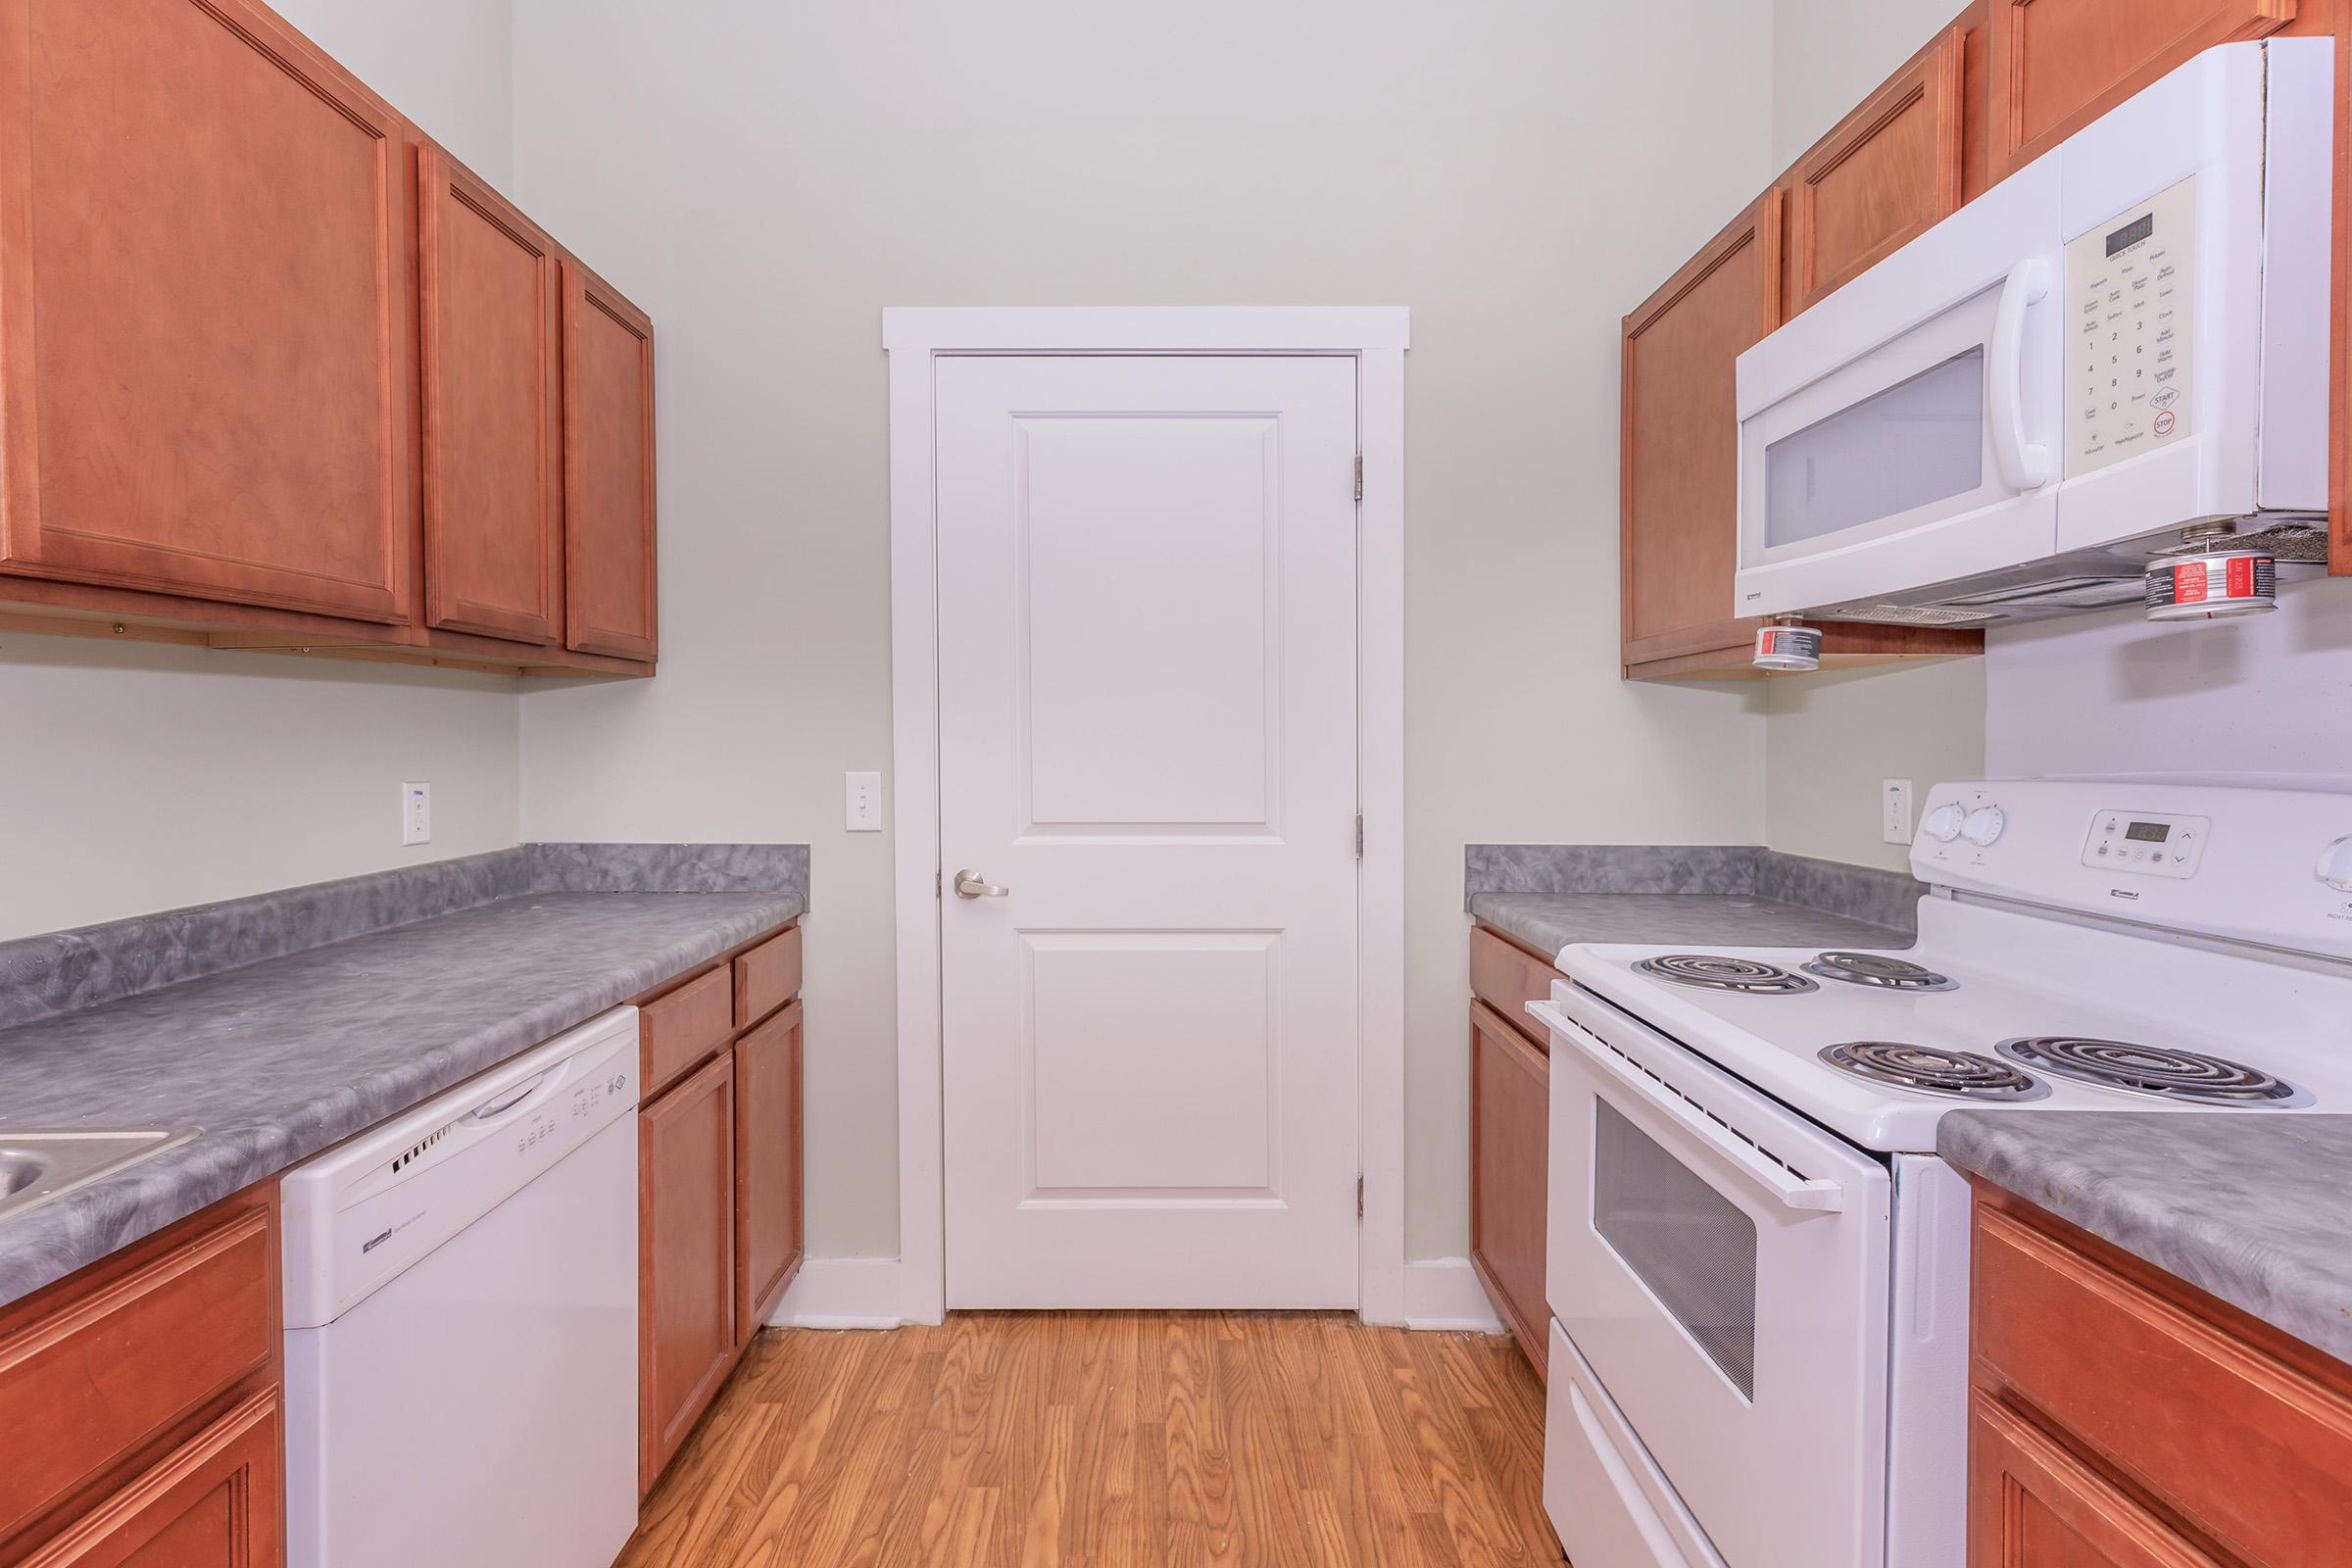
(1680, 460)
(1888, 171)
(206, 334)
(608, 469)
(2057, 65)
(489, 294)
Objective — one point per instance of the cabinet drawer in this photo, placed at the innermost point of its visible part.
(1510, 1155)
(1506, 979)
(2245, 1448)
(680, 1030)
(86, 1385)
(767, 977)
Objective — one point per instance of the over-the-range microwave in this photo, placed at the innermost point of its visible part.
(2119, 346)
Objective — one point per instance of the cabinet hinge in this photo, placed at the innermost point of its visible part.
(1359, 835)
(1359, 1196)
(1359, 476)
(938, 884)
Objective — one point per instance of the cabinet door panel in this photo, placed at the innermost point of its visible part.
(1890, 170)
(1679, 501)
(767, 1164)
(2057, 65)
(1510, 1157)
(216, 1501)
(686, 1284)
(489, 293)
(206, 335)
(608, 469)
(2032, 1504)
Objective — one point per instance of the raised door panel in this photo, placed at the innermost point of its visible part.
(2339, 343)
(206, 331)
(1510, 1140)
(2033, 1504)
(216, 1501)
(608, 469)
(1678, 500)
(686, 1273)
(489, 291)
(767, 1165)
(1887, 172)
(2057, 65)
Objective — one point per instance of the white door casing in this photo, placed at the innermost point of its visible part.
(1146, 681)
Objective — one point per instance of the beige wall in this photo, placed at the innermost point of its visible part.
(145, 778)
(766, 179)
(1833, 739)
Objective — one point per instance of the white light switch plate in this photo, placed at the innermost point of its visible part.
(865, 803)
(415, 813)
(1894, 810)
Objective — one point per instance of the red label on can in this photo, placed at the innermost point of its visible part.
(2240, 577)
(2188, 583)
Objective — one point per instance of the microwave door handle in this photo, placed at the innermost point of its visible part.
(1779, 1183)
(2026, 465)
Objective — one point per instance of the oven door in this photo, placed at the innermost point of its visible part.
(1904, 431)
(1722, 1265)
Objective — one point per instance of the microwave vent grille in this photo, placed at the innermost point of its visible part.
(1918, 616)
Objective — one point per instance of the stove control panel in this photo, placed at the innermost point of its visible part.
(2146, 843)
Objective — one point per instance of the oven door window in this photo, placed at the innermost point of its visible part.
(1694, 1249)
(1916, 443)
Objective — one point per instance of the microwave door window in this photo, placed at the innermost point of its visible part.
(1918, 442)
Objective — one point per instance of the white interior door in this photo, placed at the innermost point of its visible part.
(1147, 652)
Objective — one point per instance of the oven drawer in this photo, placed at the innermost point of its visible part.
(1507, 978)
(1608, 1502)
(2245, 1446)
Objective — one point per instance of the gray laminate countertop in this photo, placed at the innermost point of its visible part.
(1551, 922)
(2253, 1206)
(277, 1060)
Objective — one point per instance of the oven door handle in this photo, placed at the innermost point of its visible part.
(2024, 464)
(1815, 1194)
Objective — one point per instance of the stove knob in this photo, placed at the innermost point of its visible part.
(2336, 865)
(1984, 825)
(1943, 823)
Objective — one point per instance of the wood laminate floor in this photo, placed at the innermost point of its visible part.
(1109, 1440)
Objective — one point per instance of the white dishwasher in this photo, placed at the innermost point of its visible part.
(460, 1300)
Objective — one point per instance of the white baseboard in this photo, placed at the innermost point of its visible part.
(1446, 1293)
(842, 1292)
(863, 1293)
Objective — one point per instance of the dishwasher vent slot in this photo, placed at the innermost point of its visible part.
(417, 1150)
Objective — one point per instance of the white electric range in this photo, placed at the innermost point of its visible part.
(1757, 1266)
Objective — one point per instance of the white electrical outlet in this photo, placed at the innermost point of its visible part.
(865, 803)
(1894, 810)
(415, 813)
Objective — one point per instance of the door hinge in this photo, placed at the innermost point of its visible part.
(1359, 476)
(1359, 1196)
(938, 884)
(1359, 835)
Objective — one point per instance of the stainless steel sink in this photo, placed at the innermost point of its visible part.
(36, 1166)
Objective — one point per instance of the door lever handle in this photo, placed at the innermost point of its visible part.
(969, 886)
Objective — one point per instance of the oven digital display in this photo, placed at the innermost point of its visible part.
(2131, 233)
(2148, 832)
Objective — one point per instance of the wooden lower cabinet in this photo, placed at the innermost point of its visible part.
(2118, 1416)
(686, 1270)
(767, 1166)
(1510, 1137)
(720, 1212)
(140, 1404)
(216, 1501)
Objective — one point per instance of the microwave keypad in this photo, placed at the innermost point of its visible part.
(2128, 300)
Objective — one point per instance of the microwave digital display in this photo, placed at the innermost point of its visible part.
(2149, 832)
(2131, 233)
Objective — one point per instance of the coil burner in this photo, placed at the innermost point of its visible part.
(1881, 969)
(1931, 1070)
(1712, 973)
(2158, 1071)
